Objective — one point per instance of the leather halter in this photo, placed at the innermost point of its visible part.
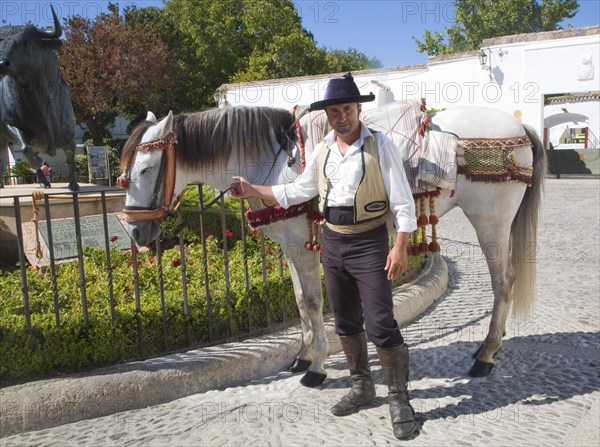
(168, 165)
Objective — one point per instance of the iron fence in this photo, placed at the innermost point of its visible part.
(218, 328)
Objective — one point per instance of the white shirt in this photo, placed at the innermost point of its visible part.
(345, 173)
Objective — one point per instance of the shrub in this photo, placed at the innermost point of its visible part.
(22, 169)
(48, 349)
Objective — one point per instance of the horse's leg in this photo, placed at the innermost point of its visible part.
(305, 272)
(496, 250)
(491, 209)
(306, 277)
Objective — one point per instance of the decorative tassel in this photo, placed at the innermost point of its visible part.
(413, 240)
(415, 247)
(433, 220)
(423, 221)
(274, 214)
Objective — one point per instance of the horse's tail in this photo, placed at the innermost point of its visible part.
(524, 233)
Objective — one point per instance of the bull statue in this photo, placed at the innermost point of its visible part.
(36, 114)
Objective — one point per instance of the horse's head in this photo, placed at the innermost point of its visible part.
(148, 164)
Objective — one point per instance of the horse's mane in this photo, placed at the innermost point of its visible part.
(214, 135)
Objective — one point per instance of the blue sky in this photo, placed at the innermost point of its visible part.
(383, 29)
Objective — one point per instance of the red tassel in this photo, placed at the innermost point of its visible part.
(434, 247)
(424, 247)
(434, 220)
(423, 220)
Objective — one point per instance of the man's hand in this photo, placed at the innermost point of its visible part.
(241, 188)
(397, 259)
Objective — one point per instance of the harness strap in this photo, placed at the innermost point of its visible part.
(168, 145)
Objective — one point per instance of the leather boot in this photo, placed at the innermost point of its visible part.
(394, 363)
(363, 390)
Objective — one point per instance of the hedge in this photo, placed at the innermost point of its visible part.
(49, 350)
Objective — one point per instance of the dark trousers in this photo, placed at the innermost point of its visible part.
(359, 293)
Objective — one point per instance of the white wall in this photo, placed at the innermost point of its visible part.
(523, 70)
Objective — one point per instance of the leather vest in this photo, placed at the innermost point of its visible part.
(370, 201)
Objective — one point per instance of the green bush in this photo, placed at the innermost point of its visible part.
(22, 169)
(49, 350)
(190, 212)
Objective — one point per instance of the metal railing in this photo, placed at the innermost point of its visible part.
(56, 293)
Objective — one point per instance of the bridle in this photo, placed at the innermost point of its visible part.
(167, 170)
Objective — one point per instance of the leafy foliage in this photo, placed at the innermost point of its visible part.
(176, 57)
(246, 40)
(477, 20)
(22, 169)
(50, 349)
(114, 68)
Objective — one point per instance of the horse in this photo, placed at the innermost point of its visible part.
(212, 146)
(502, 207)
(260, 144)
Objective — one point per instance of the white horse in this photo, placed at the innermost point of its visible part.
(259, 144)
(504, 213)
(213, 146)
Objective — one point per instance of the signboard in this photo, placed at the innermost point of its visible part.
(98, 163)
(64, 242)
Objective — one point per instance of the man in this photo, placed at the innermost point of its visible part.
(359, 178)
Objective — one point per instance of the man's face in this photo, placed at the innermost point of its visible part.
(344, 118)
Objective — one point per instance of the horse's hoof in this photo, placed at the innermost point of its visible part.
(481, 369)
(299, 365)
(312, 379)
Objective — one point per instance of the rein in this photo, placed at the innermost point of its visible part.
(169, 166)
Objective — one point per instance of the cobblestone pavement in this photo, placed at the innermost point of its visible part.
(542, 390)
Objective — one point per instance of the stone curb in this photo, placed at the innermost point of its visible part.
(131, 386)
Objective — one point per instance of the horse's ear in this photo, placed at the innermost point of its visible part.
(151, 117)
(166, 125)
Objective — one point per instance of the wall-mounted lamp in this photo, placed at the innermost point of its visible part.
(485, 60)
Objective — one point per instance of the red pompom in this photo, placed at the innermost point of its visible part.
(424, 247)
(422, 220)
(434, 220)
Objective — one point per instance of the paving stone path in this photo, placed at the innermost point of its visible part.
(543, 391)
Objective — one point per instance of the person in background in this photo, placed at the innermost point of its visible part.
(359, 178)
(47, 172)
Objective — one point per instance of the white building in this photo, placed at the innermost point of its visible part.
(531, 76)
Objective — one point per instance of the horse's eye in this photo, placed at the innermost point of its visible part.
(146, 170)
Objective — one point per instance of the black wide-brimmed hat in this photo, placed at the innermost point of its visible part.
(341, 91)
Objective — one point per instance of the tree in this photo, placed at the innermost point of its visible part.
(211, 45)
(483, 19)
(246, 40)
(114, 69)
(349, 60)
(282, 48)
